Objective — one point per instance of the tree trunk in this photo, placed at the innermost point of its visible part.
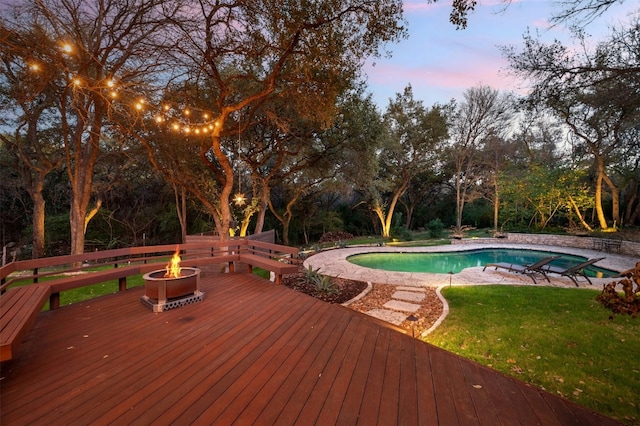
(227, 186)
(181, 210)
(409, 209)
(249, 211)
(635, 216)
(580, 218)
(38, 218)
(264, 204)
(598, 192)
(79, 207)
(377, 209)
(615, 200)
(496, 203)
(630, 204)
(285, 219)
(459, 203)
(81, 159)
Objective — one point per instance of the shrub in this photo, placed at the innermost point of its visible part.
(335, 236)
(629, 301)
(324, 285)
(401, 233)
(435, 228)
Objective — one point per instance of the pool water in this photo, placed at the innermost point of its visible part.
(446, 262)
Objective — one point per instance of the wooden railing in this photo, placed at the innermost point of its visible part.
(23, 294)
(75, 271)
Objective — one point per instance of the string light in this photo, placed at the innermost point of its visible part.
(182, 118)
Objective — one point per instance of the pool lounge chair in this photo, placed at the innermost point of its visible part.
(571, 272)
(531, 270)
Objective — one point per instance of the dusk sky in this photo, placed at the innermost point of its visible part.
(441, 62)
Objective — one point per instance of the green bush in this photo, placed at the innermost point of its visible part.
(401, 233)
(435, 228)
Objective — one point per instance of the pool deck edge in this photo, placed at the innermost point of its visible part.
(334, 263)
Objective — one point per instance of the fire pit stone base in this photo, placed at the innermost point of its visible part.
(157, 306)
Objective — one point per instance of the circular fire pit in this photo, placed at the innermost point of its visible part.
(163, 293)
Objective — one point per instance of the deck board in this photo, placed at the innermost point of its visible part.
(252, 353)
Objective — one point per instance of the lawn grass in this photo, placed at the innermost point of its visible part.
(561, 340)
(108, 287)
(88, 292)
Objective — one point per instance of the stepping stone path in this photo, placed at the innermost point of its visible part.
(404, 302)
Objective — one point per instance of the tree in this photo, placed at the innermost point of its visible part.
(495, 158)
(241, 54)
(543, 193)
(27, 90)
(97, 50)
(477, 120)
(426, 185)
(628, 167)
(313, 160)
(596, 94)
(409, 146)
(582, 12)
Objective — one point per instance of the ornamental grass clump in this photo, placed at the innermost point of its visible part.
(322, 283)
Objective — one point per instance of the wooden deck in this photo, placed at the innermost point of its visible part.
(252, 353)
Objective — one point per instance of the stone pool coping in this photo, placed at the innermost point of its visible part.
(334, 263)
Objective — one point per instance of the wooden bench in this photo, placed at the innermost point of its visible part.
(89, 278)
(278, 259)
(277, 267)
(19, 308)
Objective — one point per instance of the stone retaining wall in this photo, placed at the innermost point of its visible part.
(626, 247)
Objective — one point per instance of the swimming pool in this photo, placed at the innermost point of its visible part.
(446, 262)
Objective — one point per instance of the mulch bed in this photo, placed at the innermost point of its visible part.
(347, 289)
(429, 312)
